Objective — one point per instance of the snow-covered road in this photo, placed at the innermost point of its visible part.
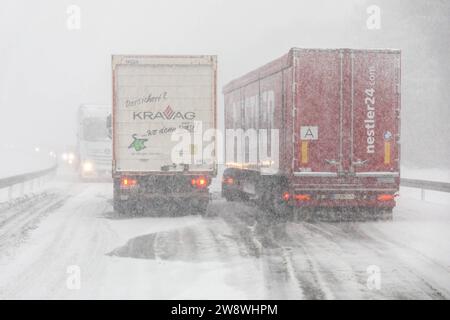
(66, 242)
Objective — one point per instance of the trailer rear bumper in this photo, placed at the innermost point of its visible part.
(344, 204)
(140, 196)
(343, 198)
(177, 203)
(162, 190)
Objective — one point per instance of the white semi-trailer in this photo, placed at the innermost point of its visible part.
(164, 118)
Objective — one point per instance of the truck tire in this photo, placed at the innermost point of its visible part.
(202, 208)
(385, 214)
(122, 207)
(202, 211)
(228, 196)
(235, 195)
(304, 215)
(126, 207)
(119, 207)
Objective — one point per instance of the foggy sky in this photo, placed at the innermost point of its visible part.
(48, 70)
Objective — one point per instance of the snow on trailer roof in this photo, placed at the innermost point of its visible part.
(387, 50)
(119, 59)
(285, 62)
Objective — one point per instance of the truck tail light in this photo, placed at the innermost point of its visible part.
(385, 197)
(126, 182)
(199, 182)
(286, 196)
(302, 197)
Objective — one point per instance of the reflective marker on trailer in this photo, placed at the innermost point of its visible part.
(304, 152)
(387, 152)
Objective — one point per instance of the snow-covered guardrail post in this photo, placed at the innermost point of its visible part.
(22, 189)
(10, 193)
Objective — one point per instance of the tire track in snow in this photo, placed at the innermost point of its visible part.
(305, 272)
(23, 207)
(332, 272)
(16, 227)
(399, 280)
(428, 264)
(257, 241)
(44, 275)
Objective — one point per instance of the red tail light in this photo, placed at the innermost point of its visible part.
(127, 182)
(286, 196)
(200, 182)
(302, 197)
(385, 197)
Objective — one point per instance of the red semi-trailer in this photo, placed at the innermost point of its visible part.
(327, 130)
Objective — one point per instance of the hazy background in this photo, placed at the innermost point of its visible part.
(48, 70)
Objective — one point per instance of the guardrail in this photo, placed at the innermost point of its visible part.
(405, 182)
(425, 185)
(10, 182)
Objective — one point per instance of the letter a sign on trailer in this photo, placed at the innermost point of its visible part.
(309, 132)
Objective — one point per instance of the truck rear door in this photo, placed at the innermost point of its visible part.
(375, 112)
(319, 107)
(155, 97)
(347, 112)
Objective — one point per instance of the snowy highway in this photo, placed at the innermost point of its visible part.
(66, 242)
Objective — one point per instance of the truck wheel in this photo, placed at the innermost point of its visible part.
(264, 200)
(378, 214)
(117, 203)
(202, 211)
(119, 207)
(235, 195)
(124, 207)
(127, 208)
(228, 196)
(202, 208)
(303, 214)
(385, 214)
(194, 207)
